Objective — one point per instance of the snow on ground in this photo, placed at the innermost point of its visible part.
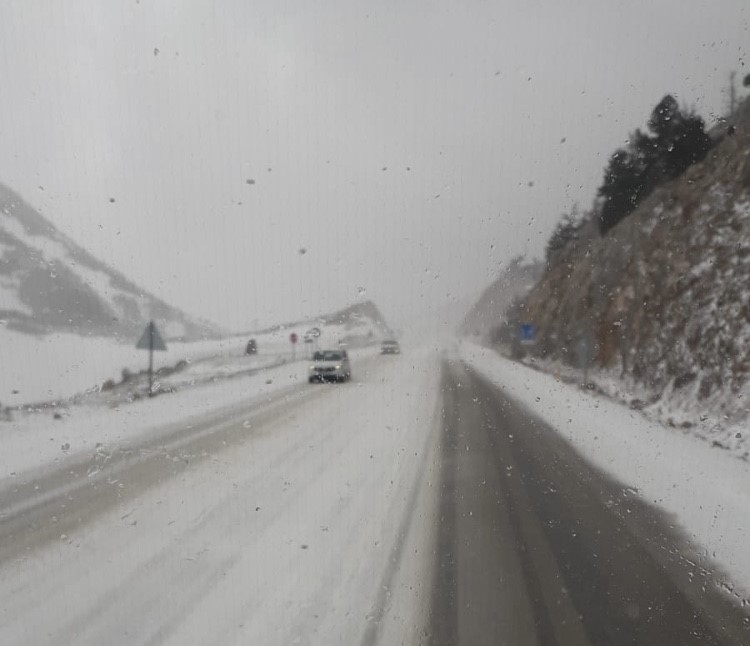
(9, 294)
(59, 366)
(37, 439)
(311, 531)
(707, 489)
(708, 418)
(721, 419)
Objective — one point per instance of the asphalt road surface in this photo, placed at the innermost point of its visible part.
(535, 546)
(415, 505)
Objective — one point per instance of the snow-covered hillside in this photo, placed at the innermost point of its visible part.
(50, 284)
(357, 324)
(662, 299)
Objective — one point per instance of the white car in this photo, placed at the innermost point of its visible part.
(330, 365)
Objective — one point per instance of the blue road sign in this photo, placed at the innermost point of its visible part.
(527, 332)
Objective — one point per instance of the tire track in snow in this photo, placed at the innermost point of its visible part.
(395, 557)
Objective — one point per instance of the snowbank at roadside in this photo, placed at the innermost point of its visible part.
(707, 489)
(678, 408)
(59, 366)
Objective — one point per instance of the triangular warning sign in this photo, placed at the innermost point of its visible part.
(151, 339)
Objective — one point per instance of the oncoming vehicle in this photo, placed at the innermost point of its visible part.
(390, 346)
(330, 365)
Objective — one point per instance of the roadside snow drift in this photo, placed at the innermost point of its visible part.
(59, 366)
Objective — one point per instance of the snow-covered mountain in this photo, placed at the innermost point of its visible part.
(361, 322)
(50, 284)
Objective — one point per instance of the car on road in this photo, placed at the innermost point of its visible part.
(390, 346)
(330, 365)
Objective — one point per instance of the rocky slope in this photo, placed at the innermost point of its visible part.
(664, 298)
(50, 284)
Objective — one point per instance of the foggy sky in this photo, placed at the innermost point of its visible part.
(409, 147)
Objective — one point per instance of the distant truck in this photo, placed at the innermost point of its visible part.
(252, 347)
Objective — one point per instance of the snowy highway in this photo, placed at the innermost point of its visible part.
(304, 519)
(416, 504)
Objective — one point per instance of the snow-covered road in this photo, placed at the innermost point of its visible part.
(303, 521)
(439, 498)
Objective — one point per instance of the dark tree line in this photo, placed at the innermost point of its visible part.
(565, 232)
(675, 140)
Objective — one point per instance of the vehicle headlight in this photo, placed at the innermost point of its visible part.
(312, 367)
(338, 367)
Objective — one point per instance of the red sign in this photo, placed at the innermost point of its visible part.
(293, 338)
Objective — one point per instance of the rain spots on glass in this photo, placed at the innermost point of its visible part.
(369, 314)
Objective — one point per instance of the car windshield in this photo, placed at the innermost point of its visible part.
(219, 221)
(328, 355)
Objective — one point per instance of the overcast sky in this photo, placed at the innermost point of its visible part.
(410, 147)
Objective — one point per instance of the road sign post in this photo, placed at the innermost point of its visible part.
(585, 356)
(151, 340)
(293, 340)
